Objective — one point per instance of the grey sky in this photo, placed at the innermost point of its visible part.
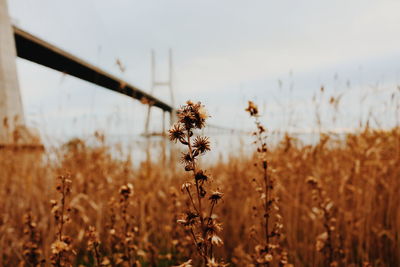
(225, 52)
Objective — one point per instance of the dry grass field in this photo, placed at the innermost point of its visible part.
(335, 203)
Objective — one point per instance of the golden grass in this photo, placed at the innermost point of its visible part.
(129, 215)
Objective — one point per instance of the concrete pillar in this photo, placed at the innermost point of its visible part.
(11, 110)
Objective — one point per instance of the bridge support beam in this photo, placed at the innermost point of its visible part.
(11, 111)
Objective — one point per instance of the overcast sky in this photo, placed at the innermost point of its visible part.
(278, 53)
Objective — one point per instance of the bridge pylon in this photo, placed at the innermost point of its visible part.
(157, 83)
(11, 110)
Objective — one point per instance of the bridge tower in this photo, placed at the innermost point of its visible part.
(156, 83)
(11, 111)
(169, 85)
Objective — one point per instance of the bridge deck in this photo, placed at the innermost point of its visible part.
(36, 50)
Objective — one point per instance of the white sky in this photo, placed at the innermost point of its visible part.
(278, 53)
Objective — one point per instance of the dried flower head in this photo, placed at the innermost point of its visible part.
(126, 190)
(176, 133)
(213, 228)
(201, 144)
(215, 197)
(192, 115)
(216, 241)
(186, 186)
(201, 176)
(252, 109)
(186, 158)
(189, 219)
(203, 113)
(59, 246)
(312, 181)
(265, 258)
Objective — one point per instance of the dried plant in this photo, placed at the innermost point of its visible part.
(328, 242)
(94, 245)
(123, 230)
(181, 243)
(61, 249)
(269, 247)
(31, 246)
(201, 224)
(353, 193)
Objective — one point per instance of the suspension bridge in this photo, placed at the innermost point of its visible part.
(17, 42)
